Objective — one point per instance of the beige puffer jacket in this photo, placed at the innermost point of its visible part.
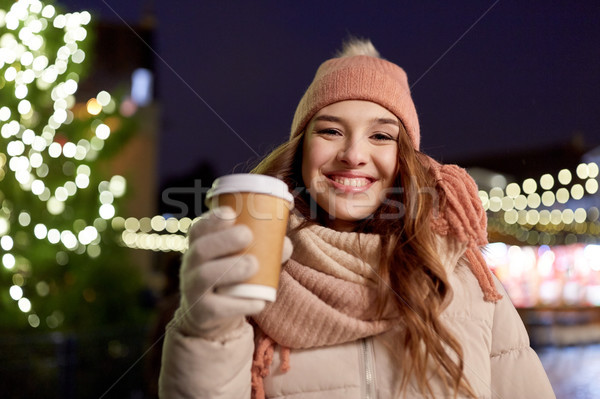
(499, 362)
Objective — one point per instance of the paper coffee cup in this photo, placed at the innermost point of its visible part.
(263, 204)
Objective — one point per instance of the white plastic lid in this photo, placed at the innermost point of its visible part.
(250, 183)
(250, 291)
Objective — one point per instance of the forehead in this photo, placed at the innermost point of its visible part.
(356, 109)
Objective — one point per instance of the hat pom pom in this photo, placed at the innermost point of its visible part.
(357, 46)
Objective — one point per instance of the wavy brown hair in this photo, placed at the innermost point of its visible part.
(413, 278)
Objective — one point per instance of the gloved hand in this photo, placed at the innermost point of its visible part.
(210, 263)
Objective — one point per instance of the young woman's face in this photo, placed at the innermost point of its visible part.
(350, 159)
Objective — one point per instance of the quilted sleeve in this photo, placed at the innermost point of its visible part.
(197, 368)
(516, 369)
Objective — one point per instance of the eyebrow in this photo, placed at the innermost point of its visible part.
(380, 121)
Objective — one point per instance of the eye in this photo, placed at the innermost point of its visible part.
(328, 132)
(383, 137)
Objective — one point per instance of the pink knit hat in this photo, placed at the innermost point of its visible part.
(356, 76)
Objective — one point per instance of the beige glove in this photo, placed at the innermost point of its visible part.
(210, 263)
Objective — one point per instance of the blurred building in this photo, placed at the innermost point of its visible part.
(122, 61)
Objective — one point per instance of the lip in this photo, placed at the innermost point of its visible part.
(349, 175)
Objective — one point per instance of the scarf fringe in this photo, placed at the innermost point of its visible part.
(479, 268)
(263, 357)
(464, 217)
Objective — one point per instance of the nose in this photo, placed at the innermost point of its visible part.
(353, 153)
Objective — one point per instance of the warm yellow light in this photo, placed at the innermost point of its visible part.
(158, 223)
(132, 224)
(591, 186)
(568, 216)
(16, 292)
(106, 211)
(511, 216)
(145, 225)
(172, 225)
(93, 106)
(507, 203)
(512, 190)
(577, 191)
(580, 215)
(529, 186)
(129, 238)
(6, 242)
(485, 200)
(520, 202)
(562, 195)
(564, 176)
(106, 197)
(548, 198)
(544, 217)
(522, 217)
(55, 206)
(582, 171)
(533, 200)
(102, 131)
(592, 169)
(184, 224)
(117, 186)
(496, 192)
(532, 217)
(556, 217)
(495, 204)
(24, 305)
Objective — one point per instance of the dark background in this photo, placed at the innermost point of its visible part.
(488, 77)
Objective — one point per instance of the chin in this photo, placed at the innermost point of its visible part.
(362, 211)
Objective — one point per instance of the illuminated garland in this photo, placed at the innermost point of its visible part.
(516, 210)
(518, 205)
(155, 234)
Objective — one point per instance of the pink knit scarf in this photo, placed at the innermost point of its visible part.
(326, 296)
(327, 291)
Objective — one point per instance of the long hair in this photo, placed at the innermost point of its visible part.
(414, 280)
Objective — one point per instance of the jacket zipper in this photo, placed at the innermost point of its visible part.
(369, 376)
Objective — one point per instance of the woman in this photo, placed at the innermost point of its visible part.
(386, 294)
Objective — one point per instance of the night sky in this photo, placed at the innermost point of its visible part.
(488, 77)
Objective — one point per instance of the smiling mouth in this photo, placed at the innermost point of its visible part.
(360, 182)
(350, 183)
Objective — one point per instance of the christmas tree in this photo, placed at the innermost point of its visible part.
(61, 267)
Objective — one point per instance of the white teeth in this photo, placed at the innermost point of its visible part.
(359, 182)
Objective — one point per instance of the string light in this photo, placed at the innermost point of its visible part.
(522, 202)
(149, 233)
(564, 177)
(513, 190)
(591, 186)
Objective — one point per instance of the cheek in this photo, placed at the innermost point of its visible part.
(388, 164)
(309, 163)
(314, 158)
